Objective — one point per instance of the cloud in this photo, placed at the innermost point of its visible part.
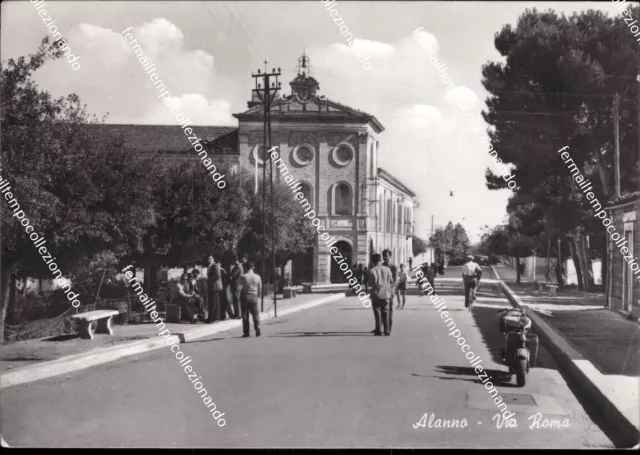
(428, 41)
(112, 77)
(461, 96)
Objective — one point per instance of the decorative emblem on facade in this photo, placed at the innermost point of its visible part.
(303, 96)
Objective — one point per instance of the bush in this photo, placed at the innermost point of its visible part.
(40, 329)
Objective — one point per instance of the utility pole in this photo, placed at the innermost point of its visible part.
(616, 154)
(266, 93)
(638, 127)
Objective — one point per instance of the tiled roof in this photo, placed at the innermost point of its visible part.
(168, 138)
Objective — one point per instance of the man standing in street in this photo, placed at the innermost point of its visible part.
(195, 290)
(250, 288)
(471, 274)
(401, 290)
(214, 286)
(380, 281)
(225, 304)
(236, 271)
(386, 261)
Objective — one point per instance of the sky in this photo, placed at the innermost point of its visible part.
(205, 53)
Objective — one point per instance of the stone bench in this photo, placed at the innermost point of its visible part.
(289, 293)
(552, 289)
(104, 322)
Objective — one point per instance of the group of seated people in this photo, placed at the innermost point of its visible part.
(187, 295)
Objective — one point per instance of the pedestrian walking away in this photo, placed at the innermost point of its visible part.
(380, 281)
(402, 286)
(471, 274)
(250, 289)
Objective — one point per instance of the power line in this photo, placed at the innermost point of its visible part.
(236, 43)
(249, 39)
(552, 94)
(251, 30)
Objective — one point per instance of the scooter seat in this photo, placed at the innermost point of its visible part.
(514, 322)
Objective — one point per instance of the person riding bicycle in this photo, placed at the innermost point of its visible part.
(471, 274)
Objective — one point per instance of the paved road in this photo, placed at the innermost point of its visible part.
(314, 379)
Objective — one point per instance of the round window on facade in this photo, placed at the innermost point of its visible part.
(303, 154)
(342, 154)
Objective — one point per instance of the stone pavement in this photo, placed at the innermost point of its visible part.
(30, 352)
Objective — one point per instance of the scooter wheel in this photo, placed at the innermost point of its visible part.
(521, 373)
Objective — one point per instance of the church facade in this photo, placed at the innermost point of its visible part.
(332, 150)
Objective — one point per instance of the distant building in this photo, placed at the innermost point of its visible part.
(623, 283)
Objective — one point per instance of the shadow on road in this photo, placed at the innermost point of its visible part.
(319, 334)
(210, 339)
(497, 377)
(63, 337)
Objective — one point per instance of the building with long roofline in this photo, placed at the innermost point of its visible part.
(331, 148)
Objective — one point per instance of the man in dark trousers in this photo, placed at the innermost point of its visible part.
(386, 261)
(250, 288)
(386, 256)
(380, 281)
(214, 286)
(471, 274)
(225, 304)
(236, 271)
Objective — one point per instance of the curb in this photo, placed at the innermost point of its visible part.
(495, 273)
(85, 360)
(77, 362)
(583, 374)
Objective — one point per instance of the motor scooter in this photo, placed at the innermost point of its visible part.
(514, 326)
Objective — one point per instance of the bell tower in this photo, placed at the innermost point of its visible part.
(304, 87)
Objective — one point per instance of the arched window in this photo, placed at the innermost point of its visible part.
(305, 189)
(342, 199)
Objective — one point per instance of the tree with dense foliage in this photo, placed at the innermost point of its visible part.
(504, 240)
(556, 88)
(419, 246)
(73, 185)
(451, 240)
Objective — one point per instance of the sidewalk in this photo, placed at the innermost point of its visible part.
(29, 360)
(597, 349)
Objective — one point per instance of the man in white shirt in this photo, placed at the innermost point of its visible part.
(471, 274)
(250, 289)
